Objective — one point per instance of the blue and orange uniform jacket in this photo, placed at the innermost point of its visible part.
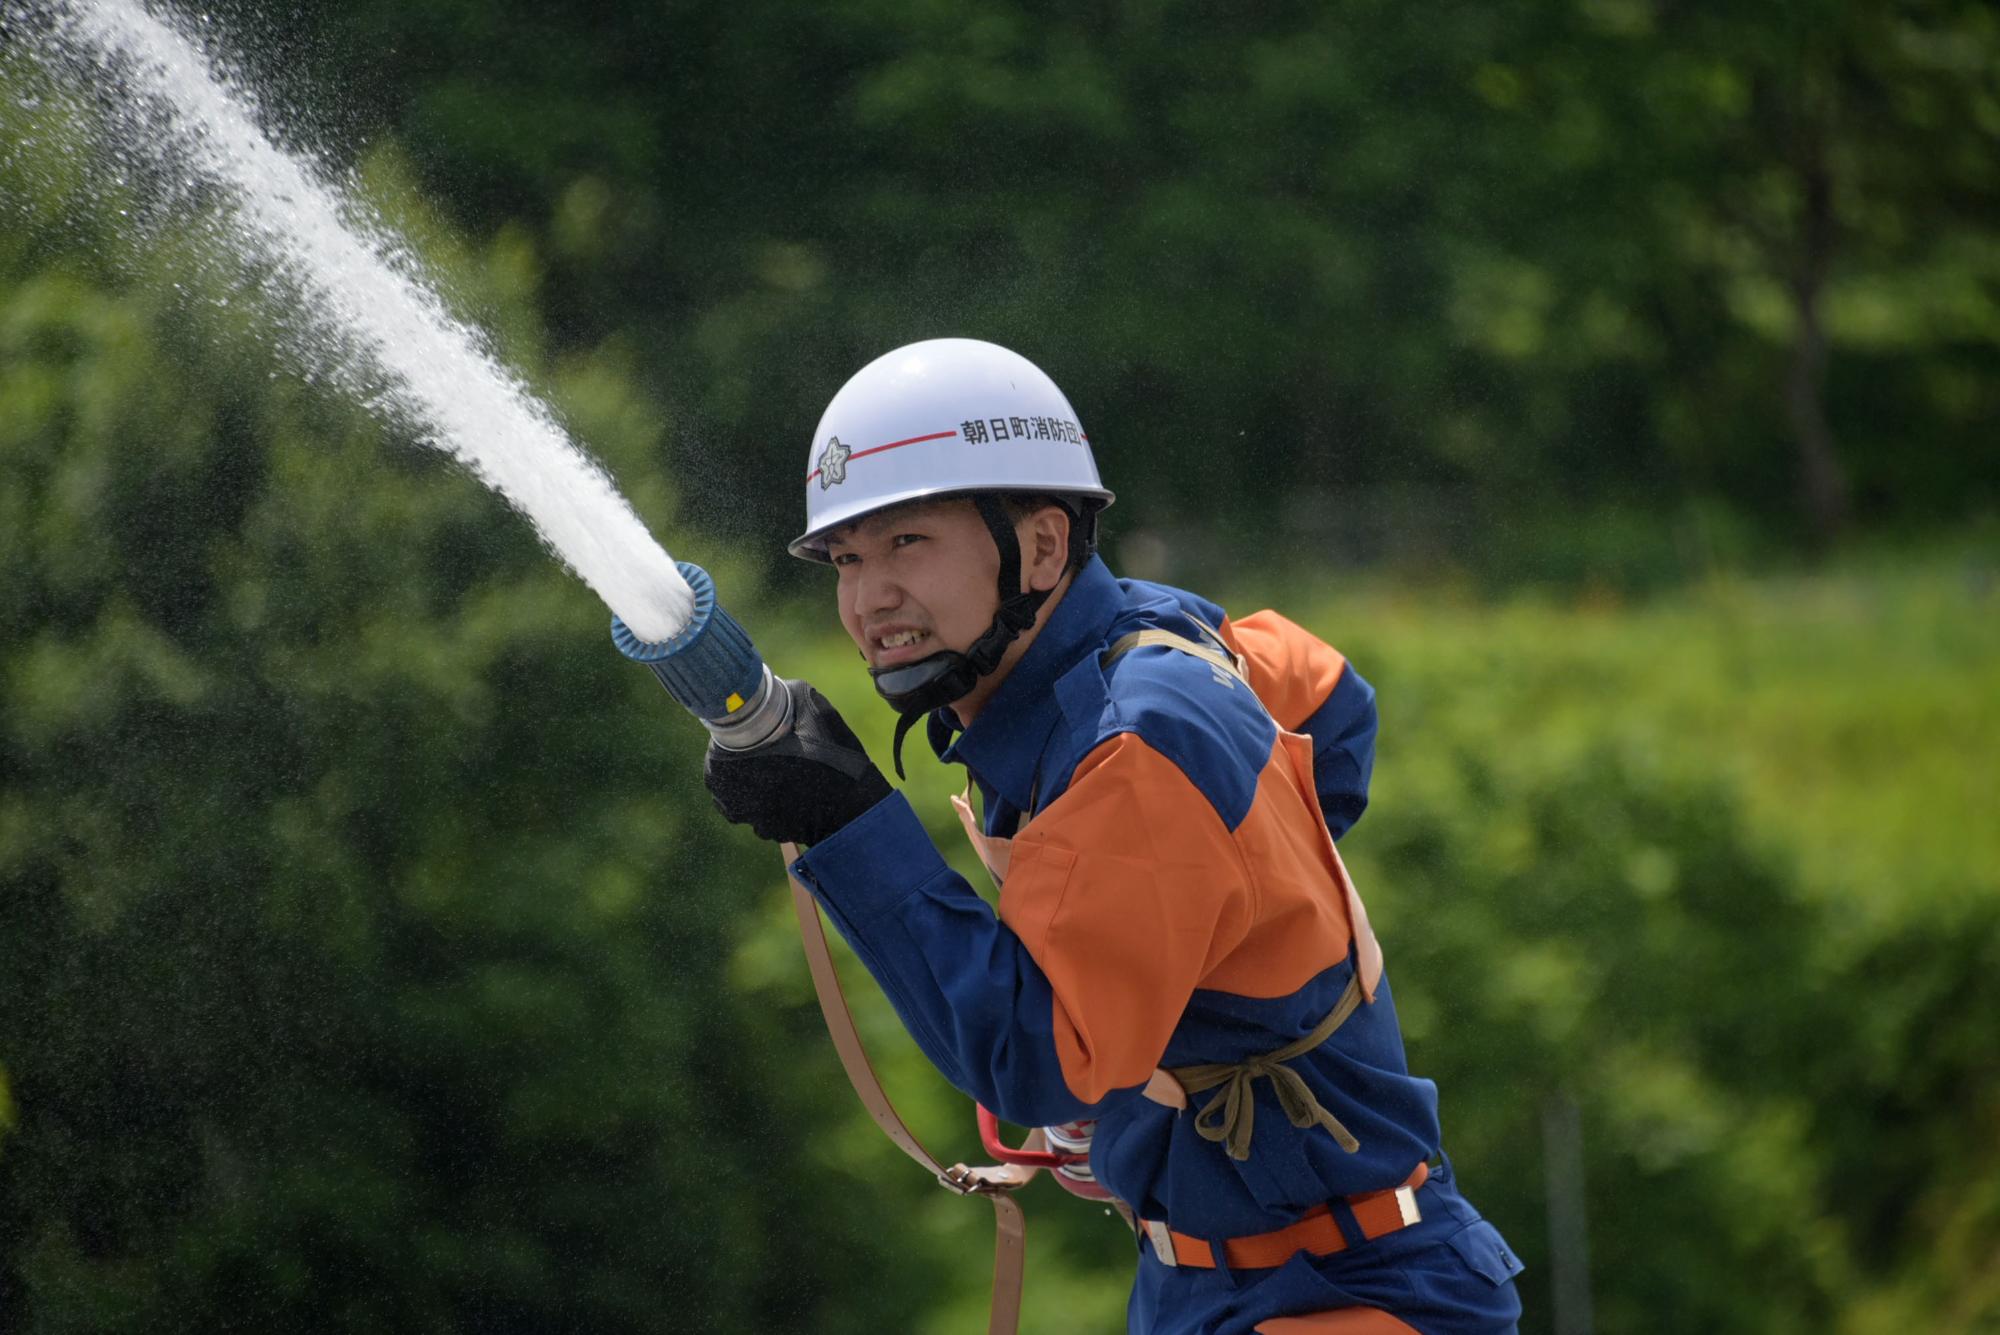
(1169, 902)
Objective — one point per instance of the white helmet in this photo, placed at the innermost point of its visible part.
(942, 418)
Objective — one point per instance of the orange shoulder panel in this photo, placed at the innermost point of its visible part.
(1292, 670)
(1127, 891)
(1302, 922)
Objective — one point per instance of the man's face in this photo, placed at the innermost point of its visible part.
(916, 579)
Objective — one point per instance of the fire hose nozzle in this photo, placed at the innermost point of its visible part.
(713, 670)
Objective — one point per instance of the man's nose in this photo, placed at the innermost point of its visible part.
(876, 592)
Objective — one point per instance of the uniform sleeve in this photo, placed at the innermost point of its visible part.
(1120, 896)
(1310, 687)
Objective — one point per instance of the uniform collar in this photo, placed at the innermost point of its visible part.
(1005, 743)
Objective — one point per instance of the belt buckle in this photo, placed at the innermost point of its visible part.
(1406, 1205)
(1162, 1239)
(959, 1180)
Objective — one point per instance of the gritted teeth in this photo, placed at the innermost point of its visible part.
(901, 638)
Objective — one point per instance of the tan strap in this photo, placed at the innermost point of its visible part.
(1367, 950)
(1010, 1263)
(1163, 1089)
(995, 1182)
(1230, 1117)
(1166, 639)
(994, 853)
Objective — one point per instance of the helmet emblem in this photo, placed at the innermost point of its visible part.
(833, 463)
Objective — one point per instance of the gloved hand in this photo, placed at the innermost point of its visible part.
(803, 786)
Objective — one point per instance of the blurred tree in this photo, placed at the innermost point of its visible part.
(361, 965)
(1778, 166)
(360, 969)
(1456, 279)
(1759, 1099)
(6, 1106)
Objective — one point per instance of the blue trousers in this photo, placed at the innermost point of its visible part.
(1449, 1274)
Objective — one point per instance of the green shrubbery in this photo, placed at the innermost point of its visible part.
(370, 957)
(363, 927)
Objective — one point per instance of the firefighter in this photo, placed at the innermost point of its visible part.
(1180, 977)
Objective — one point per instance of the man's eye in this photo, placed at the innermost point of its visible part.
(844, 558)
(905, 539)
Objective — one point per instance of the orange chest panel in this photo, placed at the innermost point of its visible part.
(1296, 912)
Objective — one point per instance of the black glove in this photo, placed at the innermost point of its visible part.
(803, 786)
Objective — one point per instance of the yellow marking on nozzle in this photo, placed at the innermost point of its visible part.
(735, 702)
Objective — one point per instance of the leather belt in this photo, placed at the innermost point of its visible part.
(997, 1183)
(1377, 1212)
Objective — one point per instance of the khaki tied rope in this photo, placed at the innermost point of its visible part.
(1229, 1117)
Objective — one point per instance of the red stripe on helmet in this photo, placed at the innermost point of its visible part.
(894, 444)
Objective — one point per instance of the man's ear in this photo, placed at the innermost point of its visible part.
(1045, 547)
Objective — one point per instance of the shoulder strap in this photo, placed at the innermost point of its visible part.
(996, 1183)
(1368, 951)
(1216, 655)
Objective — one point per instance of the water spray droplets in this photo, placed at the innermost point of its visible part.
(355, 304)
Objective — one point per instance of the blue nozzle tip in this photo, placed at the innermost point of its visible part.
(709, 665)
(653, 651)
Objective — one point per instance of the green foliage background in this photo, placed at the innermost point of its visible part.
(1614, 382)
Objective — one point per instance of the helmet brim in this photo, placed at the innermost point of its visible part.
(811, 545)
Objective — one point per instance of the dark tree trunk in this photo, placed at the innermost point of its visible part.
(1822, 479)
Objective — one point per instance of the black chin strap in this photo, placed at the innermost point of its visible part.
(915, 689)
(1018, 608)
